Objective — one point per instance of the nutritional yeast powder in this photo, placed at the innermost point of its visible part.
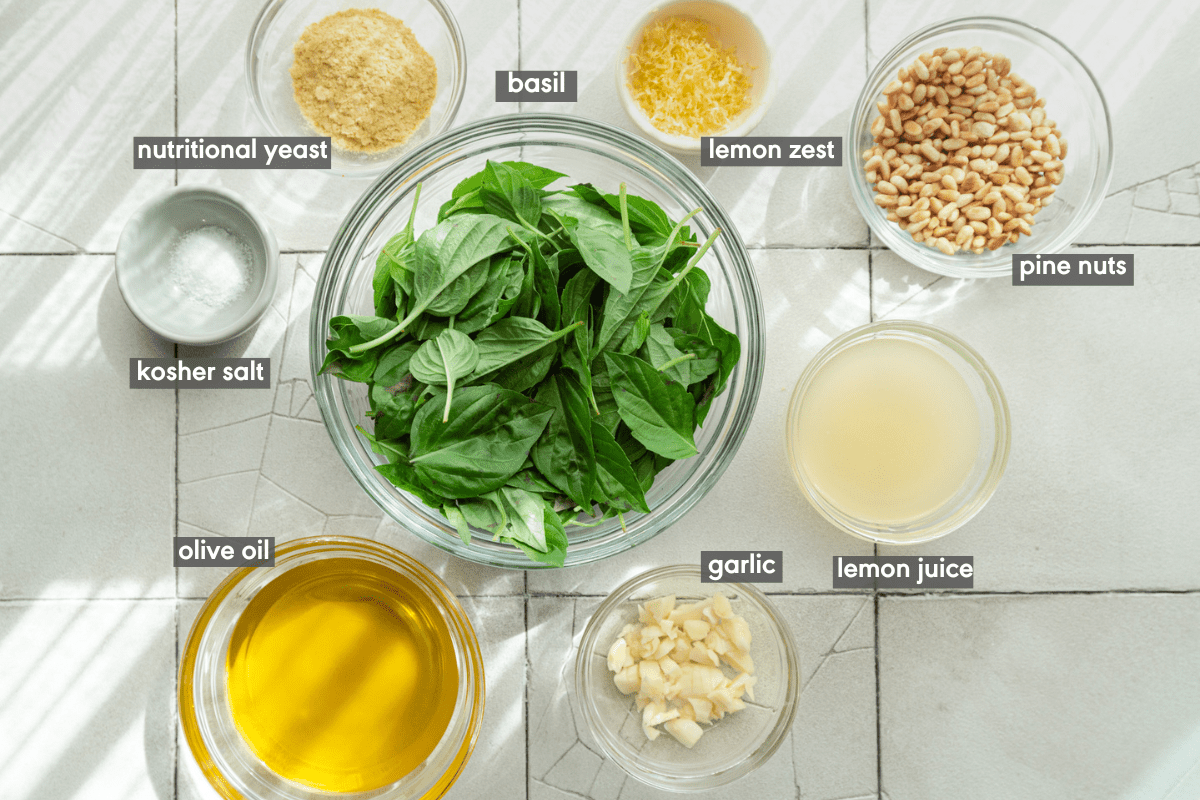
(363, 79)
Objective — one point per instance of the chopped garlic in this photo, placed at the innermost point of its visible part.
(673, 659)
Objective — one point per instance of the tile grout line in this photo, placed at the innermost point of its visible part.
(871, 305)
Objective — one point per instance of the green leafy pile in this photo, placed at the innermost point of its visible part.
(535, 356)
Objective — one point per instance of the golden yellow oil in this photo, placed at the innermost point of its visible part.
(342, 675)
(888, 431)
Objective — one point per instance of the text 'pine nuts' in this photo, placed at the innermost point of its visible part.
(964, 155)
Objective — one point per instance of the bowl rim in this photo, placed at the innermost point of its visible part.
(676, 142)
(928, 528)
(408, 170)
(181, 194)
(262, 23)
(456, 618)
(933, 260)
(756, 758)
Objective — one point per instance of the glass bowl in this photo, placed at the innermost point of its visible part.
(586, 151)
(269, 59)
(994, 435)
(730, 747)
(221, 753)
(1073, 99)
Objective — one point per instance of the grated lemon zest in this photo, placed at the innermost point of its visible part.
(685, 83)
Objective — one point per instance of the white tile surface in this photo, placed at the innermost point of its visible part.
(88, 465)
(87, 699)
(809, 298)
(1101, 384)
(1050, 697)
(74, 94)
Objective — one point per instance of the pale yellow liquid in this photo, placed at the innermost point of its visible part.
(342, 675)
(888, 431)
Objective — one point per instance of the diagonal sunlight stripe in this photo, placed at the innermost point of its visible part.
(68, 683)
(54, 334)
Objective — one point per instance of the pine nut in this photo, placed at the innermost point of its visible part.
(964, 154)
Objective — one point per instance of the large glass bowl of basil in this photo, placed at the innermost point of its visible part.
(584, 152)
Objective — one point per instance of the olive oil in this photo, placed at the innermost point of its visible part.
(888, 431)
(342, 675)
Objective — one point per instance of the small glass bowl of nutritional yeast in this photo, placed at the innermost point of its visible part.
(346, 670)
(898, 432)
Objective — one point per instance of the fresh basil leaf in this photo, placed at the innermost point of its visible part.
(484, 302)
(564, 453)
(510, 340)
(531, 480)
(659, 349)
(528, 302)
(401, 475)
(382, 286)
(556, 541)
(589, 194)
(526, 373)
(642, 214)
(482, 512)
(486, 440)
(466, 204)
(587, 214)
(393, 413)
(707, 360)
(391, 449)
(448, 250)
(459, 520)
(348, 331)
(541, 177)
(660, 415)
(524, 517)
(604, 253)
(442, 361)
(392, 368)
(692, 317)
(545, 276)
(615, 477)
(620, 308)
(507, 193)
(358, 370)
(426, 327)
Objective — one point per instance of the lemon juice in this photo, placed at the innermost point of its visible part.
(888, 431)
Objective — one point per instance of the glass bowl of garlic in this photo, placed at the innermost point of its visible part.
(687, 685)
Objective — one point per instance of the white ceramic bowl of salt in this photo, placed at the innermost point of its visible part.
(196, 265)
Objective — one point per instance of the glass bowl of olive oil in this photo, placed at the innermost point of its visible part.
(348, 669)
(898, 432)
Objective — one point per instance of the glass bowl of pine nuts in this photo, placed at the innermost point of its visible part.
(977, 138)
